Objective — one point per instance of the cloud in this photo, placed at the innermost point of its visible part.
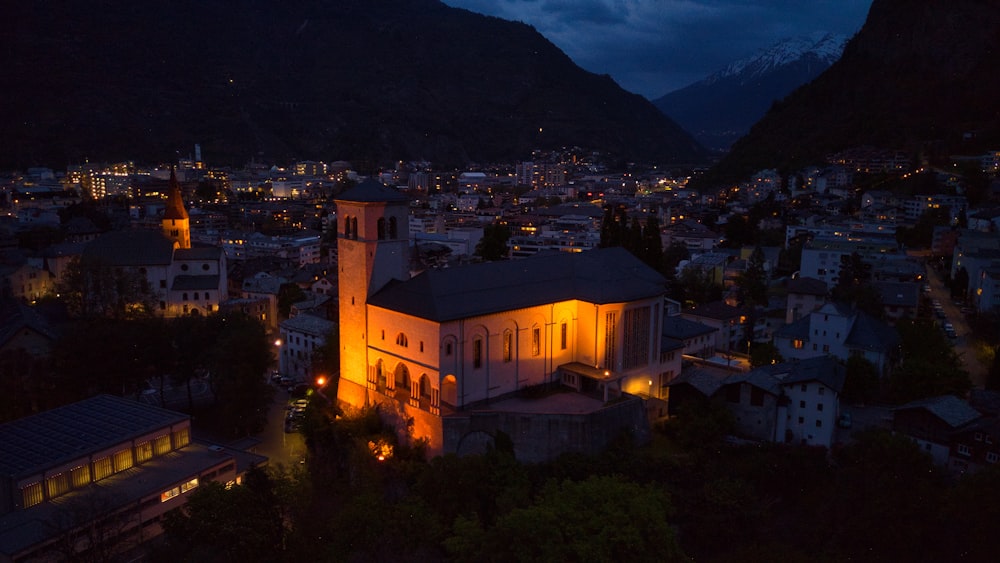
(652, 47)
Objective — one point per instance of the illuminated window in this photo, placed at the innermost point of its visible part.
(123, 460)
(80, 476)
(57, 484)
(102, 468)
(32, 494)
(167, 495)
(508, 346)
(185, 487)
(182, 437)
(161, 444)
(797, 344)
(143, 451)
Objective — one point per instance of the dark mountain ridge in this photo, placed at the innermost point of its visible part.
(721, 108)
(919, 76)
(368, 81)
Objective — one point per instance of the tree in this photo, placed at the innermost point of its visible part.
(91, 288)
(929, 367)
(288, 295)
(238, 524)
(493, 245)
(861, 382)
(853, 285)
(237, 364)
(764, 354)
(652, 244)
(613, 226)
(752, 282)
(569, 522)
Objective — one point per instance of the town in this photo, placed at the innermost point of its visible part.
(545, 309)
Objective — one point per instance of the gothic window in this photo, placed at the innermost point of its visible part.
(402, 340)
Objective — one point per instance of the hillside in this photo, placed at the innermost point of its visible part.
(919, 76)
(366, 81)
(721, 108)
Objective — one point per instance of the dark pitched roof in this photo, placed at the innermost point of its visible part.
(718, 310)
(869, 333)
(950, 409)
(16, 316)
(899, 294)
(824, 369)
(372, 191)
(137, 247)
(706, 379)
(65, 433)
(807, 286)
(680, 328)
(608, 275)
(761, 378)
(198, 253)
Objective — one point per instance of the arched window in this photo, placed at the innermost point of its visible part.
(425, 387)
(402, 340)
(347, 227)
(508, 346)
(393, 230)
(402, 377)
(380, 226)
(354, 228)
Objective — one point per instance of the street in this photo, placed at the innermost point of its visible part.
(285, 448)
(965, 344)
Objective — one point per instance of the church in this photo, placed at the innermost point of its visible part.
(455, 352)
(183, 280)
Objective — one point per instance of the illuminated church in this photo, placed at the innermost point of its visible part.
(455, 351)
(182, 279)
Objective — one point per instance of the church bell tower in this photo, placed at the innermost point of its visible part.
(372, 250)
(176, 224)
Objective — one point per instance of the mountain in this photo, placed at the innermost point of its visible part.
(721, 108)
(919, 76)
(307, 79)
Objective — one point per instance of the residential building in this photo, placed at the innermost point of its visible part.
(932, 422)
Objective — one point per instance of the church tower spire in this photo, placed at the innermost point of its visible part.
(176, 223)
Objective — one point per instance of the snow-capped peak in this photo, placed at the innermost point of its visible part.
(827, 47)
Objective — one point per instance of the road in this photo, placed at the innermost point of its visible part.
(285, 448)
(965, 344)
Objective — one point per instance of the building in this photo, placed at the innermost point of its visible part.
(448, 346)
(181, 280)
(100, 474)
(838, 330)
(300, 336)
(932, 422)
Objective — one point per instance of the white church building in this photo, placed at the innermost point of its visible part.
(455, 351)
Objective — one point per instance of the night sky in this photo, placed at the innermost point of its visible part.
(652, 47)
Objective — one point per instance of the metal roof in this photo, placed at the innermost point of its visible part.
(607, 275)
(372, 191)
(35, 443)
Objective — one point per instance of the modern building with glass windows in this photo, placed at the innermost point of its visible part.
(99, 474)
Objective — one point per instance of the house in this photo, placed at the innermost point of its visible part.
(975, 446)
(106, 468)
(695, 387)
(453, 351)
(812, 388)
(754, 398)
(841, 331)
(300, 336)
(729, 321)
(804, 296)
(899, 300)
(932, 422)
(183, 280)
(697, 339)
